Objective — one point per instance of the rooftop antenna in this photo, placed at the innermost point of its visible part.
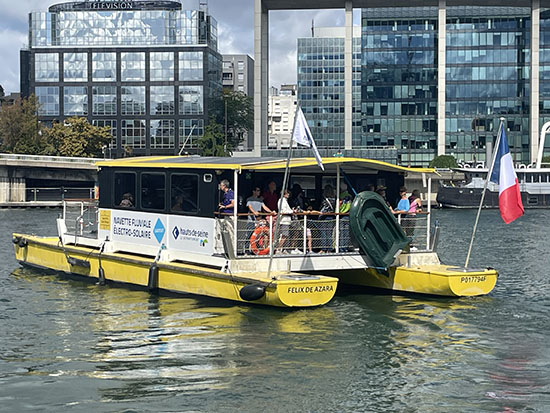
(312, 28)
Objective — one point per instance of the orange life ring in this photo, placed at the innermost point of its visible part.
(259, 241)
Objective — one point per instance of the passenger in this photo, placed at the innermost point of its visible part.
(286, 211)
(345, 199)
(415, 203)
(345, 205)
(370, 187)
(403, 205)
(381, 190)
(296, 200)
(256, 205)
(228, 202)
(326, 221)
(270, 196)
(178, 205)
(127, 200)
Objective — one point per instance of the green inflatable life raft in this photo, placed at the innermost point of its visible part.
(376, 230)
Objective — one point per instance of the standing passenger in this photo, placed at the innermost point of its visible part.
(270, 196)
(228, 202)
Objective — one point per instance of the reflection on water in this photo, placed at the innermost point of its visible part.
(67, 343)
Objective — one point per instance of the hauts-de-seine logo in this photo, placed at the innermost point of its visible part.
(189, 234)
(159, 230)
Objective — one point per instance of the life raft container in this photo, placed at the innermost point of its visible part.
(259, 240)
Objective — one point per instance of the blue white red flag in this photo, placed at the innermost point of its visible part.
(509, 196)
(303, 136)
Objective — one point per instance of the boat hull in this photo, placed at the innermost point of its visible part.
(434, 279)
(462, 197)
(287, 290)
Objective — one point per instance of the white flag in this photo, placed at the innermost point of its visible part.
(302, 135)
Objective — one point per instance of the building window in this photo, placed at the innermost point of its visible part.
(162, 100)
(46, 67)
(184, 192)
(133, 133)
(153, 190)
(104, 67)
(132, 66)
(75, 67)
(104, 100)
(133, 100)
(190, 132)
(240, 77)
(190, 66)
(191, 100)
(240, 88)
(125, 189)
(101, 123)
(75, 101)
(162, 133)
(48, 99)
(240, 65)
(162, 66)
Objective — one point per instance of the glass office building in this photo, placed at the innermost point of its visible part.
(144, 68)
(487, 76)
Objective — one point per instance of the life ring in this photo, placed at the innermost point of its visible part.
(259, 241)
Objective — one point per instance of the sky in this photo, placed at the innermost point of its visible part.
(235, 33)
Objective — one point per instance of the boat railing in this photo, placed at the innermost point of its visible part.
(81, 218)
(311, 233)
(416, 227)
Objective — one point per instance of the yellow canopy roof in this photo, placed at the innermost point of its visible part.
(303, 165)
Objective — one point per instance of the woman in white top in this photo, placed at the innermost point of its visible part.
(286, 219)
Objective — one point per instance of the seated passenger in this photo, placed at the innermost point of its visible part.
(127, 200)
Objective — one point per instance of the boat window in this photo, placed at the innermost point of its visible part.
(184, 192)
(125, 189)
(152, 191)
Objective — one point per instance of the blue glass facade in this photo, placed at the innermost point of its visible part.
(321, 88)
(125, 69)
(399, 81)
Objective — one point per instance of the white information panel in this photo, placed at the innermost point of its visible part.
(191, 234)
(135, 227)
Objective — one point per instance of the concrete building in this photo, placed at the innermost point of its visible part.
(282, 108)
(436, 75)
(144, 68)
(238, 73)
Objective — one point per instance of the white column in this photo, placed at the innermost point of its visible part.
(534, 104)
(348, 77)
(441, 46)
(261, 74)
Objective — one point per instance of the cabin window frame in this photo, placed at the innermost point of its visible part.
(115, 202)
(141, 206)
(197, 210)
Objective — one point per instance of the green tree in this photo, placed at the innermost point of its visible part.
(213, 141)
(20, 130)
(2, 93)
(76, 137)
(240, 114)
(443, 161)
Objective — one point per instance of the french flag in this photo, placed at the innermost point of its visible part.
(509, 197)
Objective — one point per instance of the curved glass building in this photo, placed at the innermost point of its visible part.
(144, 68)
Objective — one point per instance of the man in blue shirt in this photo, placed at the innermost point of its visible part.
(228, 201)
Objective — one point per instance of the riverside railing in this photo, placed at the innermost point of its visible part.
(58, 193)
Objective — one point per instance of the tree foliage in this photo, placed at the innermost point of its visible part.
(20, 130)
(76, 137)
(443, 161)
(213, 141)
(240, 114)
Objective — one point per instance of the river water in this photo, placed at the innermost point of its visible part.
(67, 344)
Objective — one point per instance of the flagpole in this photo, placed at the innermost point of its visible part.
(499, 135)
(285, 182)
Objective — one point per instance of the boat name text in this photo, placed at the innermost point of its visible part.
(316, 289)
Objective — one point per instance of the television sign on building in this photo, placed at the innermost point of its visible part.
(144, 68)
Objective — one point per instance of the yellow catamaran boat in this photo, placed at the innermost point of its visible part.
(157, 225)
